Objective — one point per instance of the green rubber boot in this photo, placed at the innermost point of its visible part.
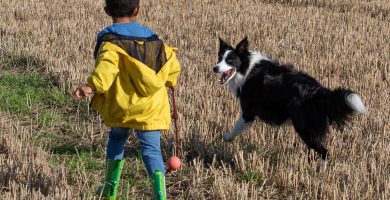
(113, 174)
(158, 183)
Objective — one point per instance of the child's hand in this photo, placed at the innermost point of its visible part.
(174, 88)
(81, 92)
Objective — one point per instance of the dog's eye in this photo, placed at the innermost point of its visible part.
(230, 61)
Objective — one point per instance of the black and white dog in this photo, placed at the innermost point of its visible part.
(275, 93)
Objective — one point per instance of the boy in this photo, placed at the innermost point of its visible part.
(133, 68)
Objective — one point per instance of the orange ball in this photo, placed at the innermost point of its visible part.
(174, 162)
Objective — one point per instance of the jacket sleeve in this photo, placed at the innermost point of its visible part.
(174, 72)
(106, 70)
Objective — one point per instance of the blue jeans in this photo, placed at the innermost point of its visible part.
(150, 147)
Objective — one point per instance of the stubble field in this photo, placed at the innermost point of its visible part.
(51, 147)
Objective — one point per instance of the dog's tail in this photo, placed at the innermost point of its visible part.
(340, 104)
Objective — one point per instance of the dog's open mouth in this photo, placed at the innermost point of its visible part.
(226, 76)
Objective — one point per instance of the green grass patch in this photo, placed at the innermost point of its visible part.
(23, 87)
(72, 150)
(22, 93)
(46, 118)
(19, 93)
(310, 171)
(43, 137)
(78, 158)
(30, 96)
(251, 176)
(61, 99)
(84, 161)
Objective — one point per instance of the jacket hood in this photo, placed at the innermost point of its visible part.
(131, 29)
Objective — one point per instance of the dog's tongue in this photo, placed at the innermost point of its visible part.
(225, 76)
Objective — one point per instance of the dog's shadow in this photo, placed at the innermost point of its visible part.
(211, 150)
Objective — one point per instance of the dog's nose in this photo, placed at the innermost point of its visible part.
(216, 69)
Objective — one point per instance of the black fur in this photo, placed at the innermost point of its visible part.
(275, 93)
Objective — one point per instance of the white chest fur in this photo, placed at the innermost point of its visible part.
(235, 83)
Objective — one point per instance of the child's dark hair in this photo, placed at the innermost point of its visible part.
(121, 8)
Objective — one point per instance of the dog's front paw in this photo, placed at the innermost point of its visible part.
(228, 137)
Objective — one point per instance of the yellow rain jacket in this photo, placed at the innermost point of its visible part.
(130, 94)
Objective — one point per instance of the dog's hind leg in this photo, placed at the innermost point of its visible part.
(312, 142)
(240, 126)
(311, 127)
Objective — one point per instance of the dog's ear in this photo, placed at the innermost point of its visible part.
(223, 46)
(243, 46)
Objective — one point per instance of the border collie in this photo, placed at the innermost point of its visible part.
(276, 92)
